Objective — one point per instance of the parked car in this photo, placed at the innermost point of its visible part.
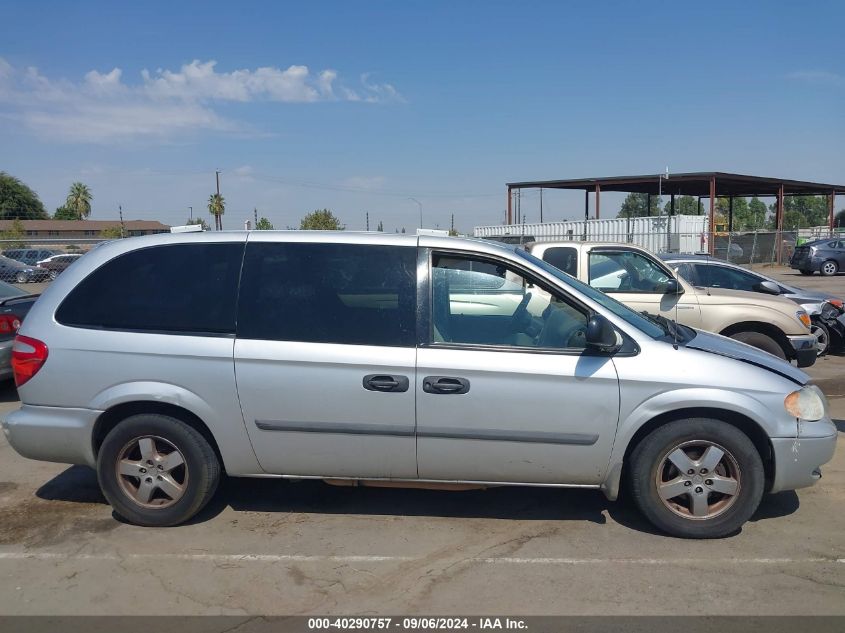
(642, 281)
(825, 310)
(14, 306)
(56, 264)
(826, 256)
(18, 272)
(29, 256)
(395, 360)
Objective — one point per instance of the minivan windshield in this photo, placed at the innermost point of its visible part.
(635, 319)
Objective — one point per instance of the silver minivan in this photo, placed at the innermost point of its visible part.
(165, 361)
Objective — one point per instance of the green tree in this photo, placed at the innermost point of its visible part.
(380, 227)
(802, 211)
(200, 221)
(636, 205)
(63, 213)
(839, 219)
(19, 201)
(112, 232)
(758, 212)
(217, 207)
(13, 236)
(263, 224)
(321, 220)
(79, 200)
(684, 205)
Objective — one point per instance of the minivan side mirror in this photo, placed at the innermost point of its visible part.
(600, 334)
(769, 287)
(673, 287)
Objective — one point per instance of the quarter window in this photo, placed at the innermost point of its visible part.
(479, 302)
(352, 294)
(176, 288)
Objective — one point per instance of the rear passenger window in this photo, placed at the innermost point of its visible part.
(563, 257)
(174, 288)
(352, 294)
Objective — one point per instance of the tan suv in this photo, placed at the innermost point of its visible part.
(640, 280)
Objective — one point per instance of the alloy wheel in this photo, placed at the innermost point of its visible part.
(698, 480)
(829, 268)
(152, 472)
(822, 340)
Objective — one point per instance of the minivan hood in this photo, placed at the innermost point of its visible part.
(724, 346)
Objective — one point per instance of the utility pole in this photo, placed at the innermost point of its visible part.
(368, 220)
(218, 221)
(122, 225)
(255, 215)
(190, 214)
(453, 224)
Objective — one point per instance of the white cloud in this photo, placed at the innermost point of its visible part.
(364, 183)
(103, 108)
(817, 77)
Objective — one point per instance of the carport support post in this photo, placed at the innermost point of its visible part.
(648, 204)
(730, 214)
(510, 206)
(831, 202)
(779, 222)
(598, 202)
(669, 223)
(711, 229)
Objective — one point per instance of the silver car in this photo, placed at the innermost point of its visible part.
(396, 360)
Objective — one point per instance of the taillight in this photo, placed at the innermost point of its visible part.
(9, 324)
(28, 356)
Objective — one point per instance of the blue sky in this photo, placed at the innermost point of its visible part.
(358, 106)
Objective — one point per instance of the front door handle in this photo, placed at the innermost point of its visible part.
(445, 385)
(386, 383)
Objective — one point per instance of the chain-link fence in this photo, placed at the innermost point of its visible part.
(39, 260)
(764, 247)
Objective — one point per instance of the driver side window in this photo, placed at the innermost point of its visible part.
(481, 302)
(626, 271)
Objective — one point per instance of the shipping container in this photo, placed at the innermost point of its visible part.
(659, 234)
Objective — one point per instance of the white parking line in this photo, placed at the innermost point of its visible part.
(506, 560)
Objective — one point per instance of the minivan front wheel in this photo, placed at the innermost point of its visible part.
(156, 470)
(697, 478)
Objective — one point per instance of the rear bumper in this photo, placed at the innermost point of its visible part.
(798, 462)
(804, 349)
(52, 434)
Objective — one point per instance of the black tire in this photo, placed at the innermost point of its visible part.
(829, 268)
(21, 278)
(806, 272)
(648, 457)
(760, 341)
(200, 463)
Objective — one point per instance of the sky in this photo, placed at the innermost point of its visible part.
(392, 108)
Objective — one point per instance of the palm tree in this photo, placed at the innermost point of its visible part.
(217, 207)
(79, 200)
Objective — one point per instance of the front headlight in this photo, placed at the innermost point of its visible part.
(808, 403)
(804, 318)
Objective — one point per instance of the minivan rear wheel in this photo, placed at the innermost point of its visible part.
(760, 341)
(697, 478)
(157, 471)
